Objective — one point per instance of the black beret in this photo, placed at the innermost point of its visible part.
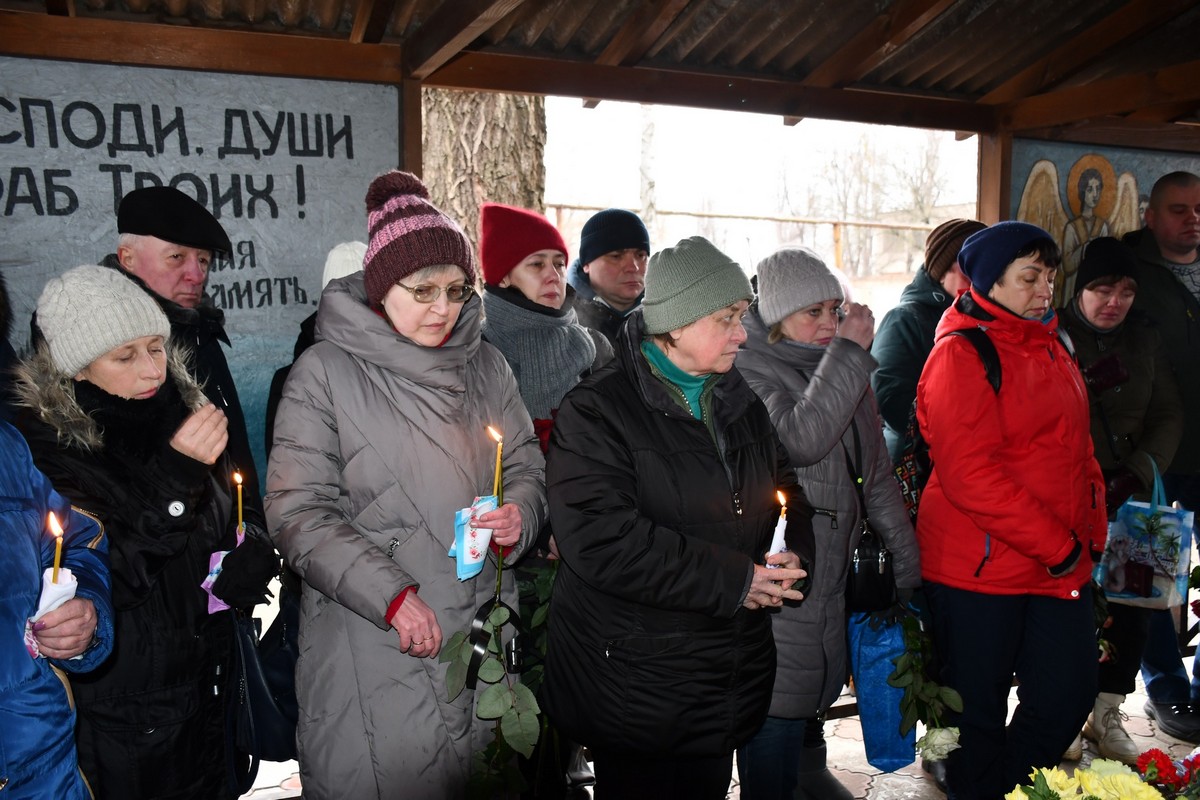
(170, 215)
(1105, 257)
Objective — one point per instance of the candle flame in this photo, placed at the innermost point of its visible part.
(237, 478)
(495, 434)
(782, 499)
(55, 528)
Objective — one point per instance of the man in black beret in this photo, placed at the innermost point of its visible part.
(167, 243)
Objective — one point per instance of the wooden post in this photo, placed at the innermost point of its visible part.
(995, 176)
(411, 154)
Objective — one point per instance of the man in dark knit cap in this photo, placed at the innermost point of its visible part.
(167, 242)
(905, 336)
(610, 274)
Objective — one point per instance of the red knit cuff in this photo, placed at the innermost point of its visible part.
(502, 551)
(394, 606)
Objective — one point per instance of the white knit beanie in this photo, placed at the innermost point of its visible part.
(791, 279)
(344, 259)
(89, 310)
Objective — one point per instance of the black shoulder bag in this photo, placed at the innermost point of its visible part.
(871, 583)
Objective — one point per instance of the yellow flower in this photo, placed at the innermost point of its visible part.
(1016, 794)
(1110, 780)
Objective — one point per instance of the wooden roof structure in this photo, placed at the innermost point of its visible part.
(1117, 72)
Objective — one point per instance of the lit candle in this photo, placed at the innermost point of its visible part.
(497, 485)
(57, 530)
(778, 543)
(237, 479)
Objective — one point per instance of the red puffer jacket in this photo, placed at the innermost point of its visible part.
(1014, 480)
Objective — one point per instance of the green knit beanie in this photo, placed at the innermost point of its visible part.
(689, 281)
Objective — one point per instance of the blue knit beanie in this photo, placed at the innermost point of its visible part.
(986, 254)
(609, 230)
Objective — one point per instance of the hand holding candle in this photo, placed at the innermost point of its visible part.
(778, 542)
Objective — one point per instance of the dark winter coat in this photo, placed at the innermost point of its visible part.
(901, 347)
(201, 333)
(650, 650)
(1014, 483)
(1176, 312)
(152, 717)
(814, 395)
(1141, 418)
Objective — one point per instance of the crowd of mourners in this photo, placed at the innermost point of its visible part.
(659, 411)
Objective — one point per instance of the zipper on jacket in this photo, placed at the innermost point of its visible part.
(987, 553)
(833, 525)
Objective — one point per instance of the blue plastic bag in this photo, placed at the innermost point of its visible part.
(871, 654)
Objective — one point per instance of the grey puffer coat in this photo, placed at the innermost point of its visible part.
(378, 441)
(812, 395)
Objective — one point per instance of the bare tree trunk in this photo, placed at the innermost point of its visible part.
(649, 200)
(481, 146)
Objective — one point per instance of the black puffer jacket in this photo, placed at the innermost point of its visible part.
(650, 649)
(152, 717)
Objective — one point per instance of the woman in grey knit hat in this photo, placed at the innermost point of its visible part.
(114, 419)
(662, 476)
(806, 355)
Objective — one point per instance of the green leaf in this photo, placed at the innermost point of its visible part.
(908, 721)
(523, 699)
(495, 700)
(952, 699)
(540, 614)
(491, 670)
(498, 617)
(900, 681)
(494, 645)
(456, 679)
(450, 648)
(520, 731)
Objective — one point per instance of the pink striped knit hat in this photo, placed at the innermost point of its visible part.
(408, 233)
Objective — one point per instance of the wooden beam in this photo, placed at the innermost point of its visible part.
(1177, 84)
(640, 31)
(61, 8)
(995, 177)
(1074, 53)
(492, 72)
(886, 33)
(370, 21)
(1123, 132)
(412, 152)
(185, 47)
(1168, 112)
(448, 30)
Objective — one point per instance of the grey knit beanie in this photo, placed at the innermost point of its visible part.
(688, 281)
(89, 310)
(791, 279)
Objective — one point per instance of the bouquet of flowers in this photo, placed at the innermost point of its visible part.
(924, 700)
(1157, 777)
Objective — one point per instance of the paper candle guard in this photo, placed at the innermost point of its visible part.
(471, 544)
(53, 595)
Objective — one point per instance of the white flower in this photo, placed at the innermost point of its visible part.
(937, 743)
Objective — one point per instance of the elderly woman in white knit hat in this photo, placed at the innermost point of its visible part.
(806, 355)
(662, 477)
(116, 422)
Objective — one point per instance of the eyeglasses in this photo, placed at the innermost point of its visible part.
(427, 292)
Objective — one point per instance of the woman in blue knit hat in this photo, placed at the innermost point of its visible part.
(1012, 517)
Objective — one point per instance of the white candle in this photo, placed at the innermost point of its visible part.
(778, 542)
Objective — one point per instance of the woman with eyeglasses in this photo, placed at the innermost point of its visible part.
(381, 437)
(807, 356)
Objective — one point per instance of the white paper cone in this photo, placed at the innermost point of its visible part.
(55, 594)
(778, 543)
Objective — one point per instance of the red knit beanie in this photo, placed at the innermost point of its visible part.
(507, 235)
(408, 233)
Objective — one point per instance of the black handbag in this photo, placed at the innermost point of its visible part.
(264, 710)
(871, 582)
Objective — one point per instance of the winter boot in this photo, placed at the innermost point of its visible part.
(815, 781)
(1075, 751)
(1105, 729)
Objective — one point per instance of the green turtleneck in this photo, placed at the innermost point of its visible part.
(691, 387)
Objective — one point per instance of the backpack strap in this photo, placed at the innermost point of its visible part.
(987, 353)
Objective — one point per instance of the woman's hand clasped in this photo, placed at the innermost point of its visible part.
(420, 634)
(858, 325)
(505, 523)
(770, 587)
(66, 631)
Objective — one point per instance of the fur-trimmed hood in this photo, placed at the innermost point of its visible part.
(51, 396)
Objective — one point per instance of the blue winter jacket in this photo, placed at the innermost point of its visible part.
(37, 718)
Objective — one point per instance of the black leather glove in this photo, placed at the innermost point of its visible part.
(1119, 485)
(245, 573)
(1105, 373)
(1065, 566)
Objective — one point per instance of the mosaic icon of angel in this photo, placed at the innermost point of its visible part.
(1100, 204)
